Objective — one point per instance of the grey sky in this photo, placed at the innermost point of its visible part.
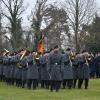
(98, 1)
(31, 4)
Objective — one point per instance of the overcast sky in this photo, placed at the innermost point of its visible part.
(31, 3)
(98, 1)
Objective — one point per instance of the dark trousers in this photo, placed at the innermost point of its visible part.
(9, 81)
(23, 84)
(97, 73)
(42, 83)
(45, 84)
(68, 82)
(1, 77)
(12, 81)
(74, 83)
(55, 85)
(80, 82)
(18, 82)
(32, 82)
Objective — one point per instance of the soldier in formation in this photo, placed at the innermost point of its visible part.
(50, 69)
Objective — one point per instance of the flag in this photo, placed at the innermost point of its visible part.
(40, 46)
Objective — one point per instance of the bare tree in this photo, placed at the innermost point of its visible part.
(49, 20)
(37, 19)
(78, 13)
(60, 27)
(0, 27)
(13, 11)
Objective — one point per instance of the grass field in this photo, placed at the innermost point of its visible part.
(14, 93)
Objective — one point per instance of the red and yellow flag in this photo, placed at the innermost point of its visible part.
(40, 47)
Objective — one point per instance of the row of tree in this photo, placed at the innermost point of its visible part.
(69, 20)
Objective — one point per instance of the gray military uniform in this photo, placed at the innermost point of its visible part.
(9, 68)
(44, 68)
(1, 66)
(67, 68)
(55, 60)
(12, 71)
(32, 68)
(18, 69)
(83, 69)
(5, 61)
(75, 69)
(24, 69)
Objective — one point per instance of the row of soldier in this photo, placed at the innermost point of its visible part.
(50, 69)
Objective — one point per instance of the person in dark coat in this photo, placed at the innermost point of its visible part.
(24, 71)
(12, 71)
(9, 70)
(55, 63)
(44, 71)
(91, 65)
(96, 64)
(1, 67)
(67, 69)
(83, 70)
(18, 76)
(37, 61)
(5, 67)
(18, 70)
(75, 71)
(32, 74)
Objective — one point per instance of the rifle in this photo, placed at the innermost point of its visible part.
(6, 50)
(23, 55)
(70, 61)
(18, 64)
(86, 61)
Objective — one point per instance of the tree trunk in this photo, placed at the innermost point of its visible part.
(77, 26)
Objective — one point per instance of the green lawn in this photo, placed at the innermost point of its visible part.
(14, 93)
